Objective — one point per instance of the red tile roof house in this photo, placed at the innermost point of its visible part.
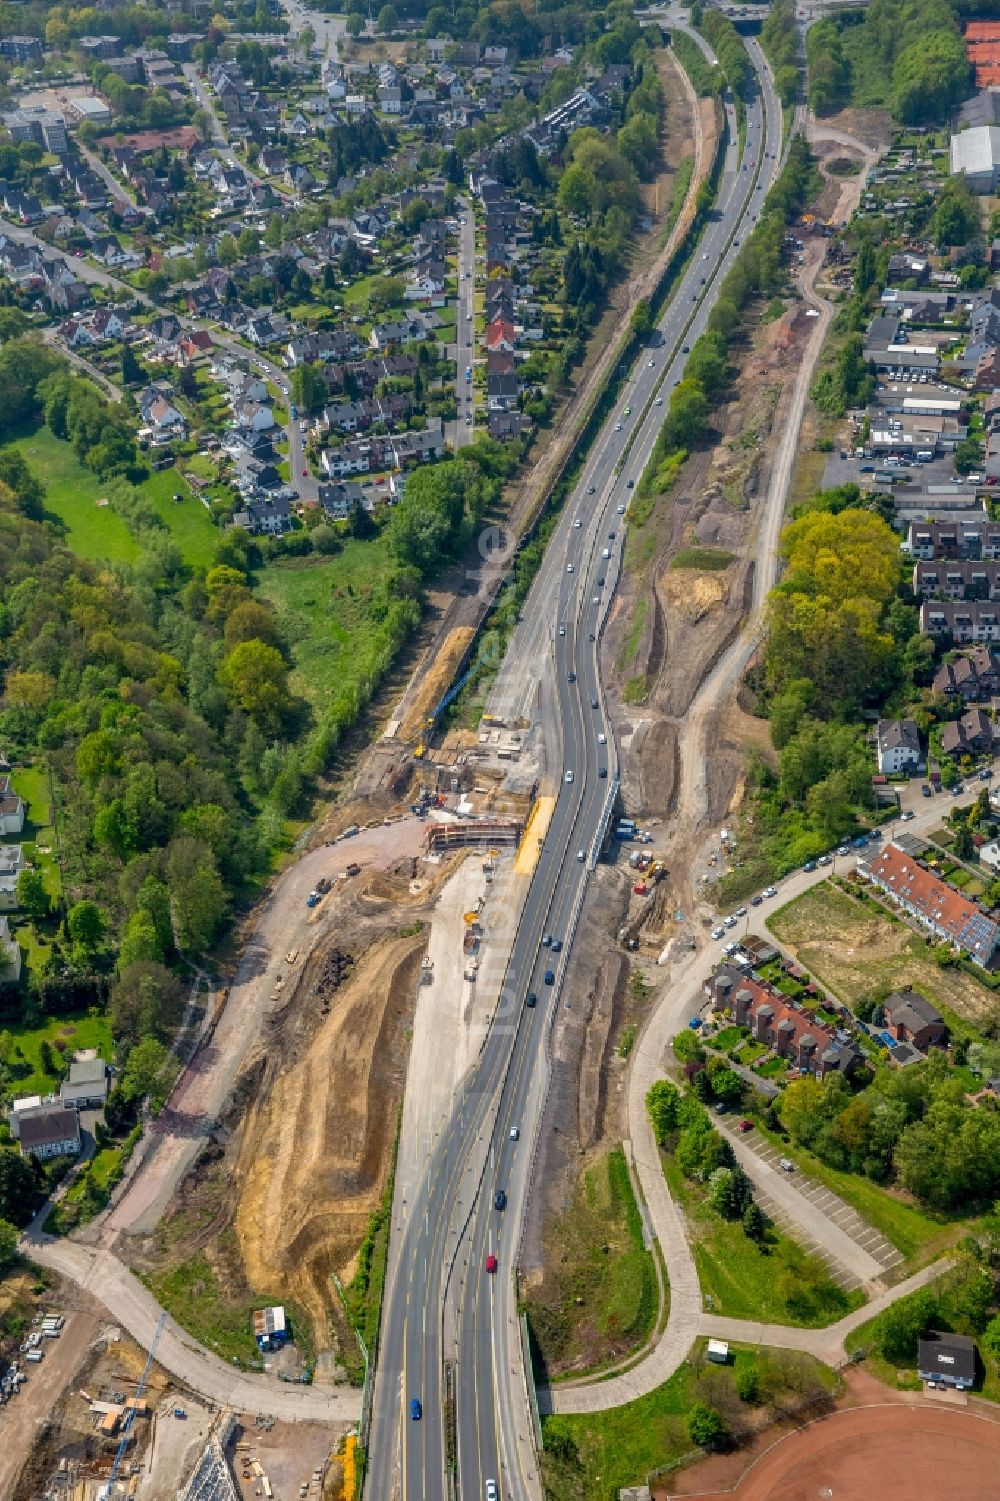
(790, 1030)
(936, 905)
(500, 335)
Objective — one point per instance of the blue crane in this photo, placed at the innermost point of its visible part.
(130, 1415)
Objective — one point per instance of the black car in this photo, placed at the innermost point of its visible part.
(593, 703)
(590, 636)
(571, 677)
(755, 901)
(532, 999)
(500, 1199)
(602, 772)
(631, 484)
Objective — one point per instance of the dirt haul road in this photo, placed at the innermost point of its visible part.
(135, 1308)
(284, 923)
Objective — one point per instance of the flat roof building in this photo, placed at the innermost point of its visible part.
(975, 154)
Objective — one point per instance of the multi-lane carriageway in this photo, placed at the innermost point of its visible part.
(442, 1305)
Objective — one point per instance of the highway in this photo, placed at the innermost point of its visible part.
(442, 1305)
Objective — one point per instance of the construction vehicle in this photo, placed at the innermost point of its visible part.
(354, 869)
(426, 970)
(134, 1405)
(323, 885)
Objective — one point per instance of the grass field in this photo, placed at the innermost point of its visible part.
(777, 1284)
(598, 1299)
(206, 1306)
(86, 1031)
(591, 1458)
(323, 609)
(703, 559)
(851, 948)
(95, 532)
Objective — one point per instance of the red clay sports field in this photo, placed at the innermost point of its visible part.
(878, 1454)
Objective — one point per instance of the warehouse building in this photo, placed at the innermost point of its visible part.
(976, 155)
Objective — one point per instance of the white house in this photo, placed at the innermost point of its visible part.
(897, 744)
(11, 808)
(12, 862)
(255, 415)
(50, 1131)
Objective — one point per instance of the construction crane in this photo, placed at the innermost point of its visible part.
(130, 1414)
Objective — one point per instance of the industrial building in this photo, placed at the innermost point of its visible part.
(976, 155)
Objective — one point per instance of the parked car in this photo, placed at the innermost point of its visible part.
(745, 1126)
(770, 891)
(786, 1164)
(907, 814)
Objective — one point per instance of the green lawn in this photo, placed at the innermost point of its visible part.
(84, 1031)
(94, 531)
(38, 836)
(323, 607)
(703, 559)
(778, 1284)
(600, 1453)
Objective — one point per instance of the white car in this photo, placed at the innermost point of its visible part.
(651, 365)
(770, 891)
(562, 630)
(602, 739)
(621, 510)
(718, 932)
(569, 567)
(658, 402)
(578, 522)
(618, 427)
(567, 776)
(514, 1133)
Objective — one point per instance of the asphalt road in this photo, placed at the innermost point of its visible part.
(443, 1302)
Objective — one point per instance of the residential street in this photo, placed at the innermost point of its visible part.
(462, 430)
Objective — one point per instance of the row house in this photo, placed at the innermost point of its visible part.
(777, 1023)
(965, 622)
(973, 675)
(957, 579)
(972, 735)
(930, 540)
(934, 904)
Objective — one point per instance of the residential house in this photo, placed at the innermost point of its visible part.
(499, 335)
(51, 1130)
(160, 415)
(911, 1018)
(256, 416)
(107, 324)
(957, 579)
(971, 735)
(87, 1085)
(897, 744)
(932, 902)
(974, 675)
(928, 540)
(505, 426)
(12, 862)
(270, 516)
(11, 808)
(962, 622)
(790, 1030)
(947, 1360)
(10, 955)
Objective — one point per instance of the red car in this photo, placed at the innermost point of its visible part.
(745, 1126)
(491, 1263)
(304, 473)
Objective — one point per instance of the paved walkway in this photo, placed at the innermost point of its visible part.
(134, 1307)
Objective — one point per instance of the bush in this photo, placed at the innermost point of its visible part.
(707, 1426)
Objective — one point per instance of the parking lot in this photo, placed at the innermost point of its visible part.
(820, 1210)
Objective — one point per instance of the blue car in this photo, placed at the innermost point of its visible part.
(550, 978)
(416, 1411)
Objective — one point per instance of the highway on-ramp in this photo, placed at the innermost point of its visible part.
(449, 1333)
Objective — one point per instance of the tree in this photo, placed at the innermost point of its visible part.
(132, 371)
(86, 925)
(8, 1244)
(204, 123)
(149, 1073)
(18, 1190)
(643, 322)
(662, 1100)
(32, 896)
(706, 1426)
(748, 1383)
(688, 415)
(197, 895)
(754, 1223)
(388, 20)
(900, 1326)
(13, 323)
(355, 24)
(256, 677)
(147, 1000)
(308, 387)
